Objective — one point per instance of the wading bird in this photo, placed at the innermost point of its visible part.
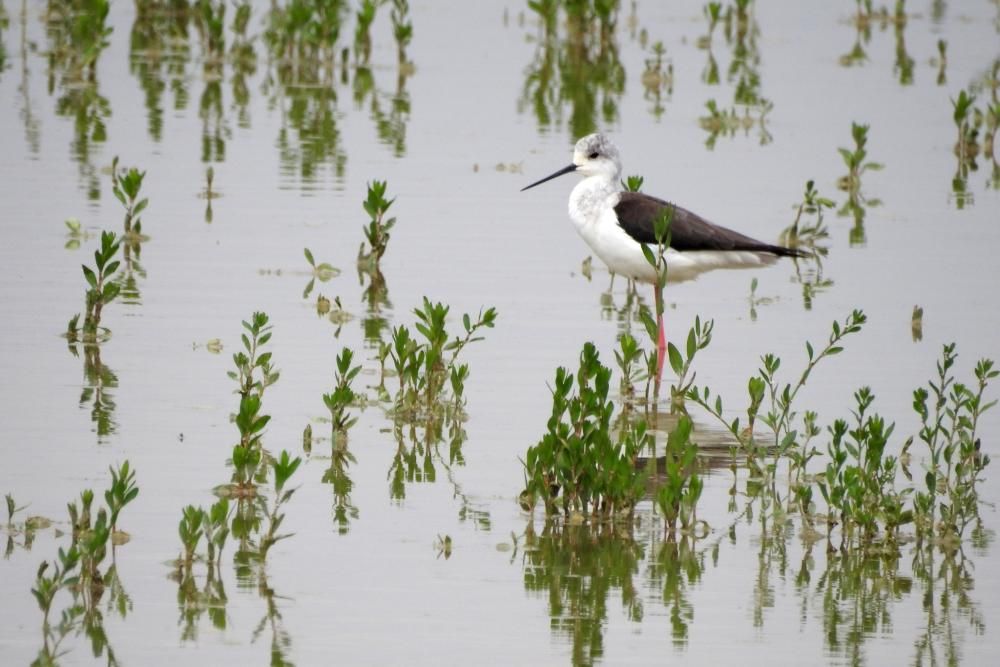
(615, 224)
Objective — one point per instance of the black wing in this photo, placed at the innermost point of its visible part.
(688, 231)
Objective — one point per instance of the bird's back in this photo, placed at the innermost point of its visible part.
(638, 212)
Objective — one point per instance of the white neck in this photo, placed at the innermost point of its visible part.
(588, 197)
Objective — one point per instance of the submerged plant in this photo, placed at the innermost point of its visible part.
(377, 231)
(856, 160)
(425, 368)
(699, 337)
(402, 28)
(101, 290)
(779, 412)
(284, 467)
(364, 18)
(79, 571)
(254, 373)
(680, 489)
(126, 185)
(858, 483)
(579, 466)
(342, 396)
(727, 122)
(123, 491)
(322, 272)
(83, 25)
(949, 415)
(657, 77)
(809, 231)
(210, 21)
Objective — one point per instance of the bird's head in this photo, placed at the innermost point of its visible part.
(593, 155)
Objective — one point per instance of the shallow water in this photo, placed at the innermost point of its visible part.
(456, 139)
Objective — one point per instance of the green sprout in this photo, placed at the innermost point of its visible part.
(342, 396)
(101, 291)
(126, 185)
(377, 231)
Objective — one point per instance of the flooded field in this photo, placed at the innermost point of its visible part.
(359, 473)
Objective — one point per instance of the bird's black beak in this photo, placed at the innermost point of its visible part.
(564, 170)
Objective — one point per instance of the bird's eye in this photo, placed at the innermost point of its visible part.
(594, 155)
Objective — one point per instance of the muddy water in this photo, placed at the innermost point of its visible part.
(456, 138)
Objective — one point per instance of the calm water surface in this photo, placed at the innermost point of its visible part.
(486, 104)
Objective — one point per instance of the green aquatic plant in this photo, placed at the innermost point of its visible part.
(856, 160)
(364, 18)
(712, 12)
(79, 571)
(190, 531)
(628, 355)
(402, 28)
(123, 491)
(583, 572)
(742, 34)
(209, 193)
(377, 231)
(767, 393)
(248, 454)
(580, 466)
(426, 367)
(338, 477)
(25, 530)
(942, 62)
(727, 122)
(678, 491)
(126, 184)
(967, 121)
(12, 509)
(254, 370)
(950, 414)
(84, 32)
(212, 526)
(699, 337)
(657, 78)
(633, 183)
(322, 272)
(858, 483)
(75, 233)
(575, 75)
(303, 34)
(284, 466)
(917, 324)
(808, 232)
(210, 22)
(342, 396)
(100, 290)
(254, 373)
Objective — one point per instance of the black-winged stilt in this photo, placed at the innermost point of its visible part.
(614, 223)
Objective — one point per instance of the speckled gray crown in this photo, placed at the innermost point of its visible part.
(600, 144)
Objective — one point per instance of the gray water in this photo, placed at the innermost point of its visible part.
(456, 138)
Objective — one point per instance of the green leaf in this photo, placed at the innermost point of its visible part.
(676, 361)
(88, 273)
(111, 290)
